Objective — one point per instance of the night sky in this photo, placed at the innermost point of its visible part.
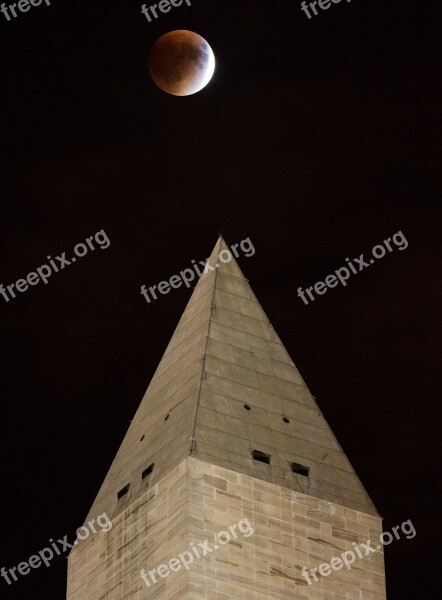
(316, 139)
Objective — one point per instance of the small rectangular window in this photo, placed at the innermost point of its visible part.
(300, 469)
(261, 457)
(147, 471)
(123, 492)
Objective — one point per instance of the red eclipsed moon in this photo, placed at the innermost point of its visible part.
(181, 63)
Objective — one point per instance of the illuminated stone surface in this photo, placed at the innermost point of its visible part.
(225, 354)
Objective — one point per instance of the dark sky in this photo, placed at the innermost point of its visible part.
(316, 139)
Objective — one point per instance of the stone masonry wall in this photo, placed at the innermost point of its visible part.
(195, 501)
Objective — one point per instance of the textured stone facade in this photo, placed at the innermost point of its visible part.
(195, 501)
(148, 531)
(225, 394)
(225, 356)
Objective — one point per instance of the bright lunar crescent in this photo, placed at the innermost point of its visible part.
(181, 63)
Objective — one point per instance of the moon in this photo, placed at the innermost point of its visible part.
(181, 63)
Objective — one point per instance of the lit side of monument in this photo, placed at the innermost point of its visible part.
(228, 430)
